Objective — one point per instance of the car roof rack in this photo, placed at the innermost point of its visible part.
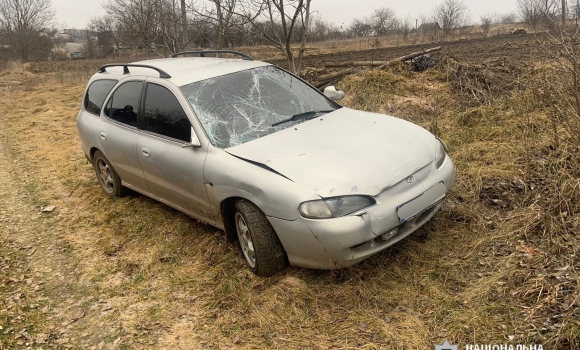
(162, 73)
(202, 53)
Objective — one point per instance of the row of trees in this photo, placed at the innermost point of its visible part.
(26, 27)
(173, 25)
(547, 13)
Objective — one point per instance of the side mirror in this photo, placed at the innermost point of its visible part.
(194, 140)
(333, 94)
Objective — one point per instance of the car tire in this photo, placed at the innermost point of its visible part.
(107, 176)
(258, 240)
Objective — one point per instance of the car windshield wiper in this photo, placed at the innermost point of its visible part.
(304, 115)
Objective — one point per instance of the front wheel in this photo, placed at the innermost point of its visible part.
(260, 244)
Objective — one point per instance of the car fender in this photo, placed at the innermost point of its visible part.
(228, 176)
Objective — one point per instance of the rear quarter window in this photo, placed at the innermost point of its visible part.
(96, 94)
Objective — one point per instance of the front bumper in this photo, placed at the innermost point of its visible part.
(343, 242)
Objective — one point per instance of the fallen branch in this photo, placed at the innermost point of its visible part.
(380, 63)
(324, 84)
(355, 66)
(410, 56)
(353, 63)
(340, 73)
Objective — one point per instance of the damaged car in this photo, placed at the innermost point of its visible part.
(256, 151)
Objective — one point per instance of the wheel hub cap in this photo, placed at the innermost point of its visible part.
(245, 240)
(105, 176)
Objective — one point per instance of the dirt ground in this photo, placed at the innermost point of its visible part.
(515, 48)
(495, 266)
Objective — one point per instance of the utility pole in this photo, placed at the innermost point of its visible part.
(184, 29)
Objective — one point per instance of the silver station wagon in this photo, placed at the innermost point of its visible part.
(257, 152)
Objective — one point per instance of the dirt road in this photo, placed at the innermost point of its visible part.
(42, 299)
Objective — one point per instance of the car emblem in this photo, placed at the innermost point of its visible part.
(410, 179)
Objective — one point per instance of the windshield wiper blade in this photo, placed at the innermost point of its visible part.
(304, 115)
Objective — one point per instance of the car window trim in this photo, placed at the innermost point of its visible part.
(105, 100)
(140, 119)
(112, 93)
(165, 137)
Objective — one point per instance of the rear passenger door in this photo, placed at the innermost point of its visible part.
(118, 133)
(173, 168)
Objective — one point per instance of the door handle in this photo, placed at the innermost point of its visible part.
(103, 136)
(145, 151)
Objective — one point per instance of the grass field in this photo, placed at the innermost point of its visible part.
(498, 265)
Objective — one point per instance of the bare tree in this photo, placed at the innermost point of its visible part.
(134, 21)
(576, 9)
(290, 16)
(538, 12)
(405, 25)
(169, 25)
(107, 38)
(361, 28)
(321, 30)
(564, 12)
(149, 23)
(508, 18)
(88, 48)
(487, 21)
(184, 26)
(383, 20)
(24, 25)
(222, 19)
(451, 14)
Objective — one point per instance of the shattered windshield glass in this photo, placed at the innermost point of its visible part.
(242, 106)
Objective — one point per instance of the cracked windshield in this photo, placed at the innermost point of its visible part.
(242, 106)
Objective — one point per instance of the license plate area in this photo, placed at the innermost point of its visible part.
(425, 201)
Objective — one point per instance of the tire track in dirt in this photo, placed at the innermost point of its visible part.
(41, 302)
(35, 280)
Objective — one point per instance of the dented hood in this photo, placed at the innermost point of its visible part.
(344, 152)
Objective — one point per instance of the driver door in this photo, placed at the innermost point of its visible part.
(173, 168)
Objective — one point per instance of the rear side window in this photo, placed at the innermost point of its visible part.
(164, 115)
(96, 94)
(124, 104)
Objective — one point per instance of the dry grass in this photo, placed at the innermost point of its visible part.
(517, 188)
(499, 261)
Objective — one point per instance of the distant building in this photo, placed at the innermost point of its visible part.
(73, 33)
(63, 36)
(75, 50)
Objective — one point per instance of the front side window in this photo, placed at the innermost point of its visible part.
(124, 104)
(164, 115)
(96, 94)
(242, 106)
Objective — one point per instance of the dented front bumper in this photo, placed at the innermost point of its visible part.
(345, 241)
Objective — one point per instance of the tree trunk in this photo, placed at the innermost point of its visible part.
(354, 63)
(305, 28)
(184, 29)
(563, 12)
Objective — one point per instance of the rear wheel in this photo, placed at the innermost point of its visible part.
(260, 244)
(108, 178)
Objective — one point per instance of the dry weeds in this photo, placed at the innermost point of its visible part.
(498, 265)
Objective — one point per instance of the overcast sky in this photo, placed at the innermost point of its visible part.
(77, 13)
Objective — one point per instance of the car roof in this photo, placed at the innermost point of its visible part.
(187, 70)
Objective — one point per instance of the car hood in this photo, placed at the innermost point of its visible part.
(344, 152)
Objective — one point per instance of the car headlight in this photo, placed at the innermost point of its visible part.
(440, 155)
(334, 207)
